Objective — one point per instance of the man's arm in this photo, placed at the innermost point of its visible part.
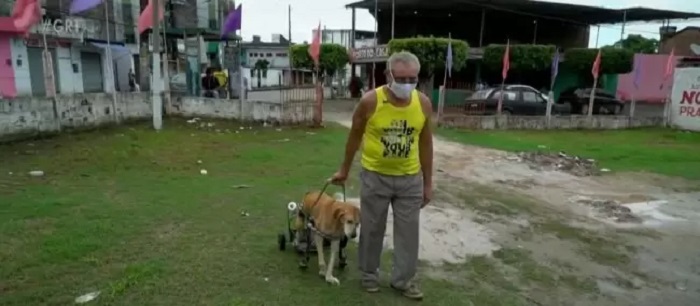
(425, 142)
(359, 121)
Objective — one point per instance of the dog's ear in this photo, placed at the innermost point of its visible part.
(338, 213)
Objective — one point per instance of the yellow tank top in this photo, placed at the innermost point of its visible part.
(390, 142)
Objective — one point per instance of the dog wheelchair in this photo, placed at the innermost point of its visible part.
(302, 241)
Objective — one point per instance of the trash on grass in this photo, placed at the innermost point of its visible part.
(87, 297)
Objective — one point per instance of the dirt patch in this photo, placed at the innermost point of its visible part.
(603, 234)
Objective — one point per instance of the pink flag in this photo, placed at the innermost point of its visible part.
(595, 70)
(146, 17)
(670, 64)
(506, 61)
(25, 14)
(315, 47)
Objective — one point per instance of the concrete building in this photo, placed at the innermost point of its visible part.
(77, 47)
(685, 42)
(275, 53)
(363, 40)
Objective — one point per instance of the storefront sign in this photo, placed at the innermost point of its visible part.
(76, 28)
(370, 54)
(685, 99)
(50, 42)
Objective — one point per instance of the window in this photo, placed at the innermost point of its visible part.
(509, 95)
(268, 55)
(530, 97)
(281, 54)
(251, 54)
(480, 94)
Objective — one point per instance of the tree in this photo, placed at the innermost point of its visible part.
(260, 69)
(638, 44)
(523, 58)
(332, 59)
(432, 53)
(612, 60)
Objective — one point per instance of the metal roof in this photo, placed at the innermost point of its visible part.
(573, 13)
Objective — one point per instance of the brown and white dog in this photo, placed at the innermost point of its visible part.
(333, 218)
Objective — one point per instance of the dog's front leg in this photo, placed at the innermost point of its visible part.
(318, 239)
(335, 247)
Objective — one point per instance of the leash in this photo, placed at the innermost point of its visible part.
(310, 224)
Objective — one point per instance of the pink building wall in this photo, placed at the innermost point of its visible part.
(652, 86)
(7, 72)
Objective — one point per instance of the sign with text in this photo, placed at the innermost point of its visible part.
(370, 54)
(71, 27)
(685, 99)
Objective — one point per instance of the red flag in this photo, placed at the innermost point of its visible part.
(506, 61)
(146, 17)
(315, 47)
(670, 64)
(596, 66)
(25, 14)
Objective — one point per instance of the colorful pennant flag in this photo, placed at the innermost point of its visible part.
(78, 6)
(233, 21)
(637, 70)
(25, 14)
(596, 66)
(448, 63)
(670, 63)
(506, 61)
(315, 47)
(555, 65)
(146, 17)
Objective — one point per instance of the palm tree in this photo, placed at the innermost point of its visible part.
(260, 70)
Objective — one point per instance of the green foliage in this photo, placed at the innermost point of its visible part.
(612, 60)
(432, 52)
(261, 67)
(333, 58)
(522, 57)
(638, 44)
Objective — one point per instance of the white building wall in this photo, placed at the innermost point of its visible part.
(275, 59)
(22, 80)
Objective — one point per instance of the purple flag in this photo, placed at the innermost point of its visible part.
(637, 70)
(78, 6)
(233, 21)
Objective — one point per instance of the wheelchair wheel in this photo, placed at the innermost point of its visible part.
(282, 241)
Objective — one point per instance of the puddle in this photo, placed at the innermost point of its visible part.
(651, 213)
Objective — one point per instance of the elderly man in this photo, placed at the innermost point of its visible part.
(393, 124)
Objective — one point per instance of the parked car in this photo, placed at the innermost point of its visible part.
(517, 100)
(603, 103)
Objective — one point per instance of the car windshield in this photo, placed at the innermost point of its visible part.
(480, 94)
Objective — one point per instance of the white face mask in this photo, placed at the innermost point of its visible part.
(401, 90)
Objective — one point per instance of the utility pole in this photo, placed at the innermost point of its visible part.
(156, 99)
(289, 27)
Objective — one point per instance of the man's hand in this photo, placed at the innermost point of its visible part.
(427, 194)
(339, 178)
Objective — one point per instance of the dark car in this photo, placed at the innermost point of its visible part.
(517, 100)
(604, 102)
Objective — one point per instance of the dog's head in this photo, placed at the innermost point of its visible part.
(349, 216)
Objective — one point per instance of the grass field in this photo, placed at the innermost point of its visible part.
(127, 212)
(663, 151)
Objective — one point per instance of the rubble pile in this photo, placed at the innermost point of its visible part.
(609, 209)
(560, 161)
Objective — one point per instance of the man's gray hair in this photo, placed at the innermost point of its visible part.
(403, 57)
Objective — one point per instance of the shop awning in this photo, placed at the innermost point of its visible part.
(117, 50)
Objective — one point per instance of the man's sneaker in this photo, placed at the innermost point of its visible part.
(371, 287)
(411, 292)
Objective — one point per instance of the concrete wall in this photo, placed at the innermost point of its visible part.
(540, 122)
(286, 94)
(26, 117)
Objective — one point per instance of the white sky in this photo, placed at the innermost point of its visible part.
(265, 17)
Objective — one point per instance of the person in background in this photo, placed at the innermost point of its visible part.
(210, 84)
(133, 86)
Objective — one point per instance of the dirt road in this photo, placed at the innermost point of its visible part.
(550, 237)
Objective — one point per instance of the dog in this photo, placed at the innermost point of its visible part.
(335, 219)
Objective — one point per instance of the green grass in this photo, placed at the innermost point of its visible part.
(662, 151)
(126, 211)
